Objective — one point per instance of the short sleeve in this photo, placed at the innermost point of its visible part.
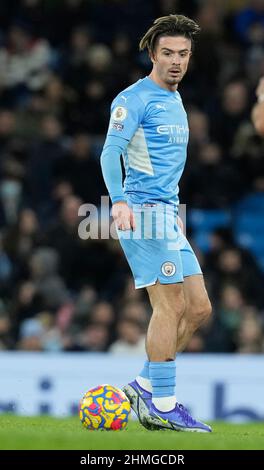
(127, 112)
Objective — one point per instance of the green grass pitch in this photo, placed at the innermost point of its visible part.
(18, 433)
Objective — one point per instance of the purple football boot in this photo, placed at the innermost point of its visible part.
(178, 419)
(140, 401)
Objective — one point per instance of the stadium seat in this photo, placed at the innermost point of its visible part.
(203, 222)
(249, 222)
(208, 219)
(248, 232)
(251, 202)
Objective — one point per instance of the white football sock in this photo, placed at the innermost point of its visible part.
(144, 383)
(164, 403)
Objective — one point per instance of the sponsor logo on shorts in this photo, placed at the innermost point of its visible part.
(168, 268)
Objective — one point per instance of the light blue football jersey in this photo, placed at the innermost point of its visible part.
(154, 122)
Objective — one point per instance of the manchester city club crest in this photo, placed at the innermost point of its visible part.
(168, 268)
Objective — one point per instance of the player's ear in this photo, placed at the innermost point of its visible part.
(152, 57)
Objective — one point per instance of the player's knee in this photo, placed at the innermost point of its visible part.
(201, 312)
(170, 302)
(174, 309)
(179, 311)
(178, 308)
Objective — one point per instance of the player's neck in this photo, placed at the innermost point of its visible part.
(155, 78)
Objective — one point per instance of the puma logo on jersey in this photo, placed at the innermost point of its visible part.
(161, 106)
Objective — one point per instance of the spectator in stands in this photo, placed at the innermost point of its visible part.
(130, 338)
(84, 304)
(230, 269)
(6, 333)
(30, 335)
(199, 129)
(234, 110)
(81, 171)
(136, 311)
(103, 313)
(258, 109)
(246, 19)
(196, 344)
(6, 268)
(11, 190)
(49, 286)
(44, 154)
(249, 337)
(52, 340)
(94, 338)
(20, 241)
(63, 237)
(75, 55)
(230, 308)
(40, 334)
(7, 128)
(219, 180)
(24, 63)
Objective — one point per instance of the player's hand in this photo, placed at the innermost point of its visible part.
(180, 223)
(123, 216)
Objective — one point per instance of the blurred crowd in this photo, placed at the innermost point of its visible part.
(61, 64)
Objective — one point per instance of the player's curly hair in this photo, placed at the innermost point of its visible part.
(171, 25)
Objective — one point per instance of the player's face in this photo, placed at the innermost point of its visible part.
(171, 59)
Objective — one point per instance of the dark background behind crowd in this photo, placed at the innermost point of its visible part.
(61, 64)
